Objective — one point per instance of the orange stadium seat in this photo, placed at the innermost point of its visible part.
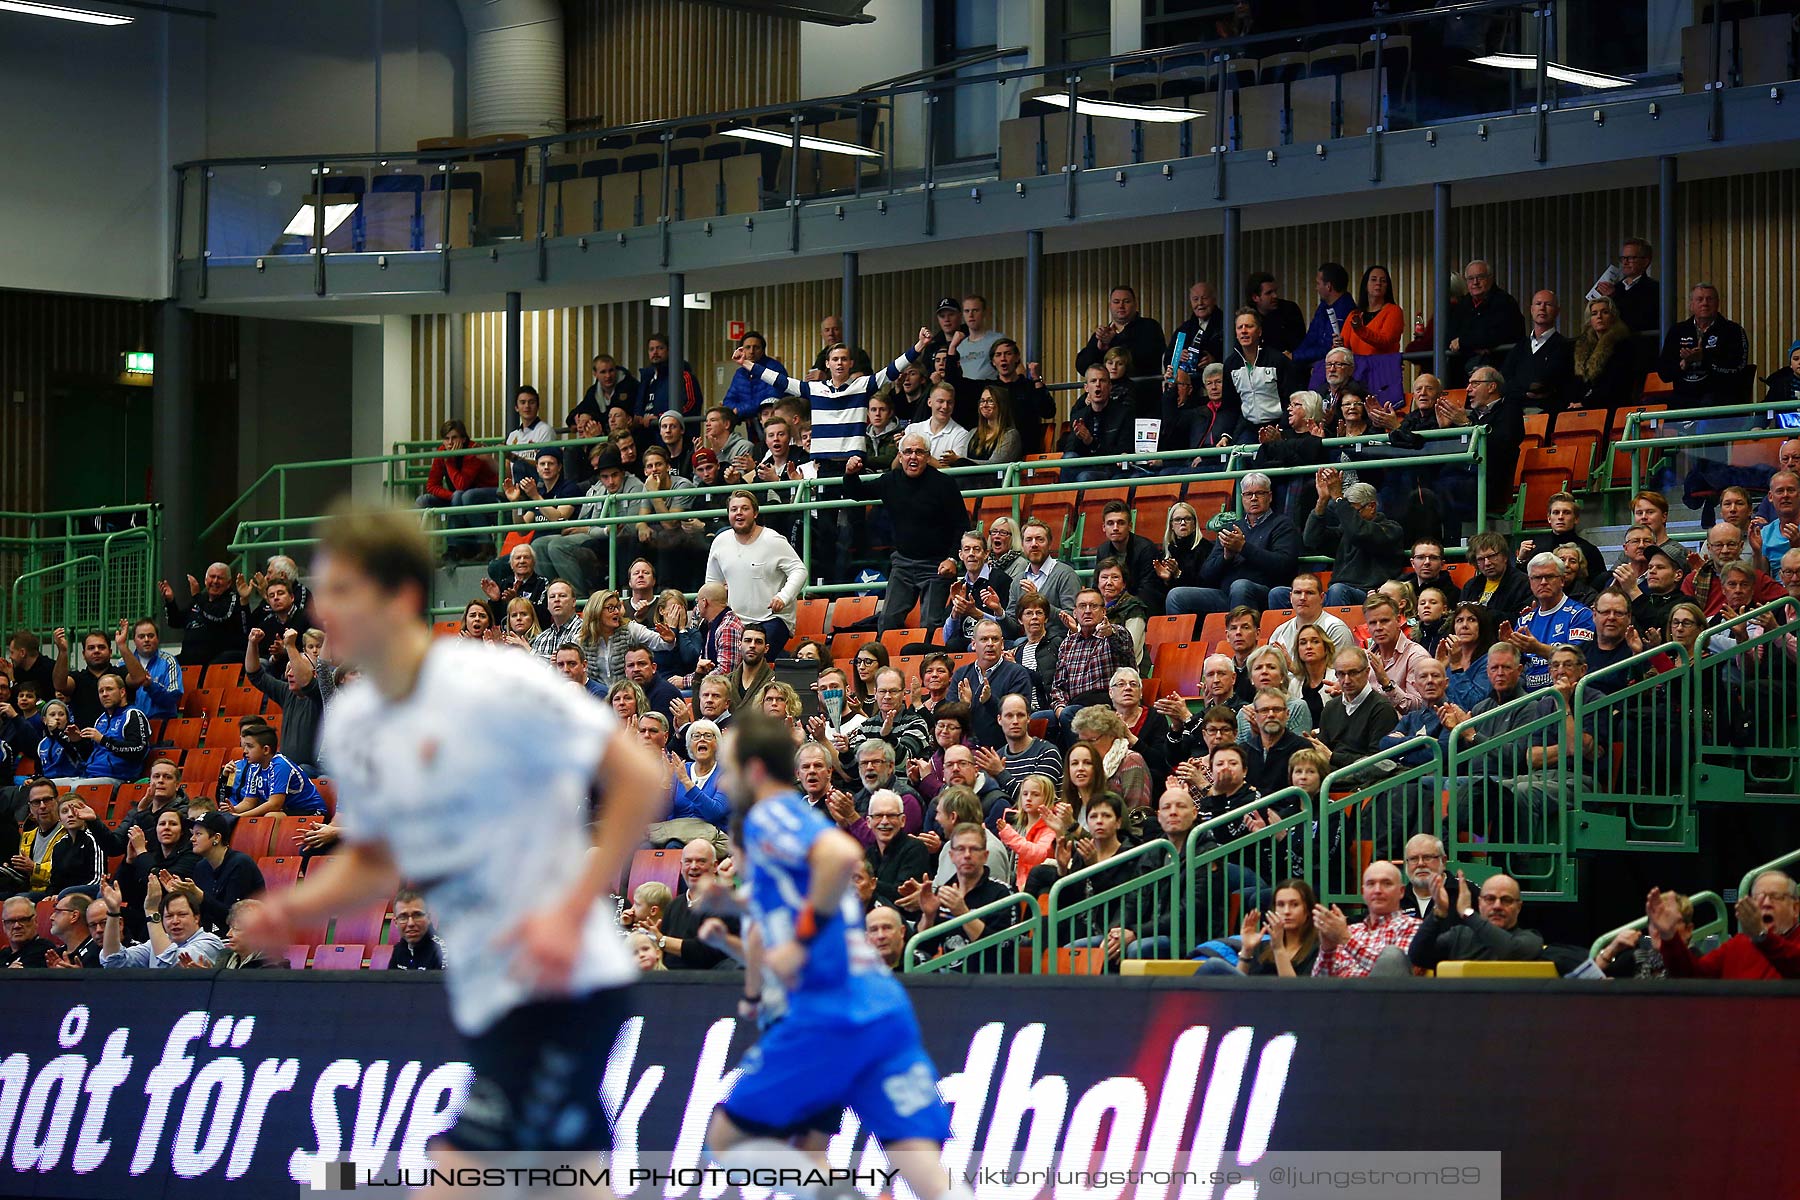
(361, 928)
(897, 640)
(658, 865)
(1150, 508)
(843, 645)
(253, 835)
(1158, 630)
(279, 872)
(297, 956)
(848, 610)
(809, 617)
(380, 957)
(183, 733)
(327, 793)
(287, 832)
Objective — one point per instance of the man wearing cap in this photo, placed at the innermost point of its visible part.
(223, 876)
(1658, 590)
(574, 553)
(943, 338)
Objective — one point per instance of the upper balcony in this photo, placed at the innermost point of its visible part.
(1369, 112)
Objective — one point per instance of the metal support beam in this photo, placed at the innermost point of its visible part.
(1665, 245)
(1231, 285)
(1440, 278)
(675, 392)
(172, 456)
(1034, 295)
(848, 303)
(515, 332)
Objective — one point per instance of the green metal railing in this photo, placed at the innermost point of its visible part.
(1371, 808)
(1642, 448)
(258, 538)
(1784, 863)
(1637, 783)
(1144, 904)
(1512, 789)
(1746, 734)
(1713, 927)
(1223, 877)
(996, 951)
(66, 576)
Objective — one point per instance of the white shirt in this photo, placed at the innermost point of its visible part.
(1538, 339)
(538, 435)
(432, 779)
(972, 354)
(951, 437)
(1352, 703)
(757, 572)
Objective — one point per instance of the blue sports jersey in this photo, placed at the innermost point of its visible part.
(282, 778)
(844, 980)
(1569, 624)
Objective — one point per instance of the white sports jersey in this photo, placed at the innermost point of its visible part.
(440, 778)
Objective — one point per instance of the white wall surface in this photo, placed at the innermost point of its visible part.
(93, 116)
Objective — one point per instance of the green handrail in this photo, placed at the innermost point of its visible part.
(1152, 884)
(1774, 864)
(1236, 864)
(1375, 804)
(1749, 691)
(252, 536)
(1510, 806)
(16, 613)
(1022, 932)
(1702, 930)
(1633, 442)
(1637, 792)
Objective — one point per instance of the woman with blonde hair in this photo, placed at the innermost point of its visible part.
(1609, 371)
(1122, 770)
(1313, 673)
(521, 623)
(1183, 551)
(1037, 821)
(628, 701)
(1267, 667)
(606, 635)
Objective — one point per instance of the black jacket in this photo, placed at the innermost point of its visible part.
(1723, 373)
(1210, 344)
(1267, 770)
(1545, 379)
(1143, 339)
(928, 513)
(684, 923)
(1509, 598)
(1139, 561)
(237, 877)
(906, 858)
(213, 629)
(79, 859)
(1504, 421)
(1640, 306)
(1196, 424)
(1188, 562)
(428, 955)
(1354, 736)
(1365, 554)
(1270, 556)
(134, 878)
(1479, 332)
(1045, 673)
(1114, 431)
(1457, 938)
(1285, 328)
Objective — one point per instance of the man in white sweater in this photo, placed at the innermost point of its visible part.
(761, 573)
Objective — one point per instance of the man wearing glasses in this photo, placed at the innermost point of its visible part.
(1766, 946)
(25, 947)
(1498, 584)
(894, 857)
(1637, 296)
(1428, 567)
(1481, 326)
(1254, 554)
(1555, 620)
(1358, 717)
(80, 937)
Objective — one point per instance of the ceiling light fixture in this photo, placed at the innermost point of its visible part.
(64, 13)
(777, 138)
(1526, 62)
(1125, 112)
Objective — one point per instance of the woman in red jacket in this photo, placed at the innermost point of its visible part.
(1377, 323)
(452, 479)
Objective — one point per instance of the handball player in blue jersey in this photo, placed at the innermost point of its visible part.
(849, 1039)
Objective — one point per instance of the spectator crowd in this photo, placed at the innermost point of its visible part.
(1010, 717)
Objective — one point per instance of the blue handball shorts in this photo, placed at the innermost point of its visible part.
(802, 1073)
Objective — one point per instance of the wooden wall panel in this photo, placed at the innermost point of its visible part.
(1741, 233)
(648, 60)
